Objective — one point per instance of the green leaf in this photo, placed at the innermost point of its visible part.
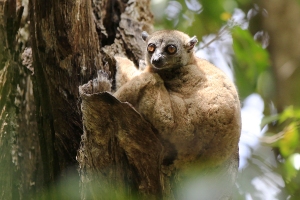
(289, 167)
(290, 113)
(268, 119)
(288, 144)
(251, 60)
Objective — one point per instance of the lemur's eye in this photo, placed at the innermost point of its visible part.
(151, 48)
(171, 49)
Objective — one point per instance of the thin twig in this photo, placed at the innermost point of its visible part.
(218, 36)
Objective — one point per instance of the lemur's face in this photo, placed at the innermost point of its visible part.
(168, 49)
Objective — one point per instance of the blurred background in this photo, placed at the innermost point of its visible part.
(257, 44)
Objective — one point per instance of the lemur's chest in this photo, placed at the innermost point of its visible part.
(171, 109)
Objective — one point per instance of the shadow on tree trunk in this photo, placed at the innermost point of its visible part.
(120, 153)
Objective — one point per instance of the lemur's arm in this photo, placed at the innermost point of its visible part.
(146, 92)
(126, 71)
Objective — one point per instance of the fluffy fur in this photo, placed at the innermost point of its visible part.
(194, 107)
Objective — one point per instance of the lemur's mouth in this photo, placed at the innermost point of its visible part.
(164, 66)
(157, 67)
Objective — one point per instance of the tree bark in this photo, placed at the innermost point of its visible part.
(120, 154)
(71, 41)
(20, 156)
(282, 24)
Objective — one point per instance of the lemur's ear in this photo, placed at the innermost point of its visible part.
(191, 43)
(145, 35)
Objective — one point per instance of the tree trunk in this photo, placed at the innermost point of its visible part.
(282, 24)
(68, 39)
(20, 153)
(121, 154)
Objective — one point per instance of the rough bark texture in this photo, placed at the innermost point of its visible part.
(6, 110)
(62, 59)
(120, 155)
(20, 155)
(67, 52)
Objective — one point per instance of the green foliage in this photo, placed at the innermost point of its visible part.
(251, 61)
(289, 146)
(196, 20)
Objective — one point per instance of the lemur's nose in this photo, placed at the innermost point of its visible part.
(157, 60)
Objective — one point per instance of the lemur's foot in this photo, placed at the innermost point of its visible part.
(102, 82)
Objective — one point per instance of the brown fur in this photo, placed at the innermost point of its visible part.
(195, 108)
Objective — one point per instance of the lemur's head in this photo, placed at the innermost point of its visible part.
(168, 49)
